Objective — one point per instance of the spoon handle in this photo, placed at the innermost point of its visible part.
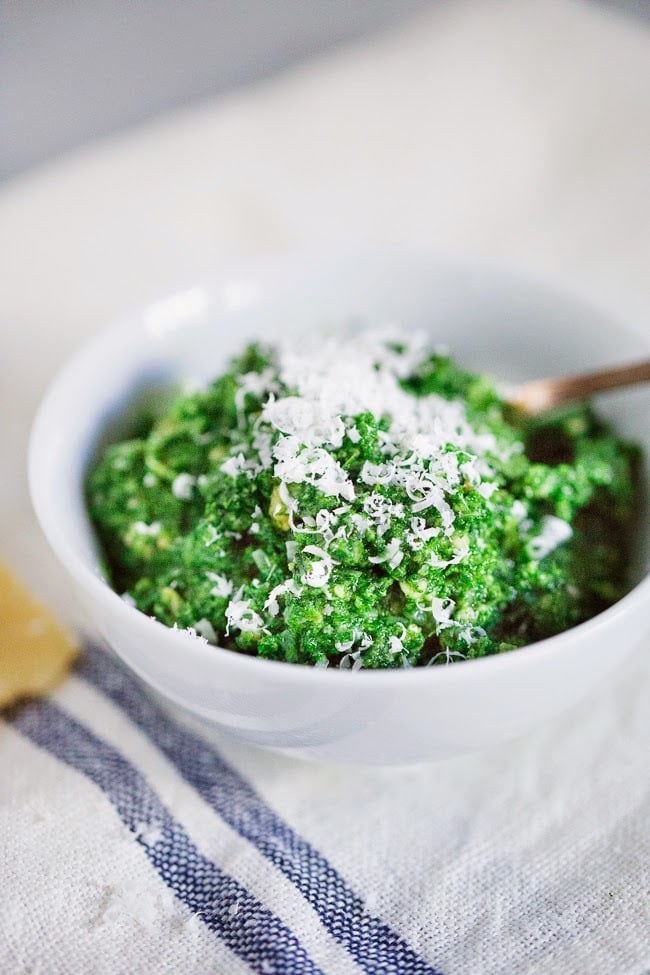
(541, 395)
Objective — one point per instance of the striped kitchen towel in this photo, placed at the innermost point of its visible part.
(132, 840)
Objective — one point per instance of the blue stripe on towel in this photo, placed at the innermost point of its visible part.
(249, 929)
(376, 948)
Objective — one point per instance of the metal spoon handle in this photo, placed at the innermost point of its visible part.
(541, 395)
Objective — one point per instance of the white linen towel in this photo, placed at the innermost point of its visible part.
(130, 841)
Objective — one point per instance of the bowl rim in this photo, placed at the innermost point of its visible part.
(99, 589)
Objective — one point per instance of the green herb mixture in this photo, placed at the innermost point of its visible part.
(361, 501)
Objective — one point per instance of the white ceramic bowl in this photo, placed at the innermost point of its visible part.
(491, 322)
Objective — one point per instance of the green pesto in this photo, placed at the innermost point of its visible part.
(169, 552)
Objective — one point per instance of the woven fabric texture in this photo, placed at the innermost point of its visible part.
(131, 839)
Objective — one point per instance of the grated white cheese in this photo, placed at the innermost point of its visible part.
(183, 487)
(395, 645)
(205, 628)
(486, 489)
(392, 554)
(235, 465)
(141, 528)
(319, 572)
(470, 634)
(258, 384)
(461, 549)
(241, 616)
(441, 610)
(554, 532)
(311, 398)
(189, 630)
(420, 534)
(377, 473)
(222, 587)
(297, 464)
(212, 536)
(307, 420)
(292, 548)
(288, 586)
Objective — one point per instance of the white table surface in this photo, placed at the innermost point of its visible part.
(511, 130)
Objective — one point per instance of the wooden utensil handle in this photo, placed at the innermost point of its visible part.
(541, 395)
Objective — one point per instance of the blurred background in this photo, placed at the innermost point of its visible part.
(145, 144)
(74, 70)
